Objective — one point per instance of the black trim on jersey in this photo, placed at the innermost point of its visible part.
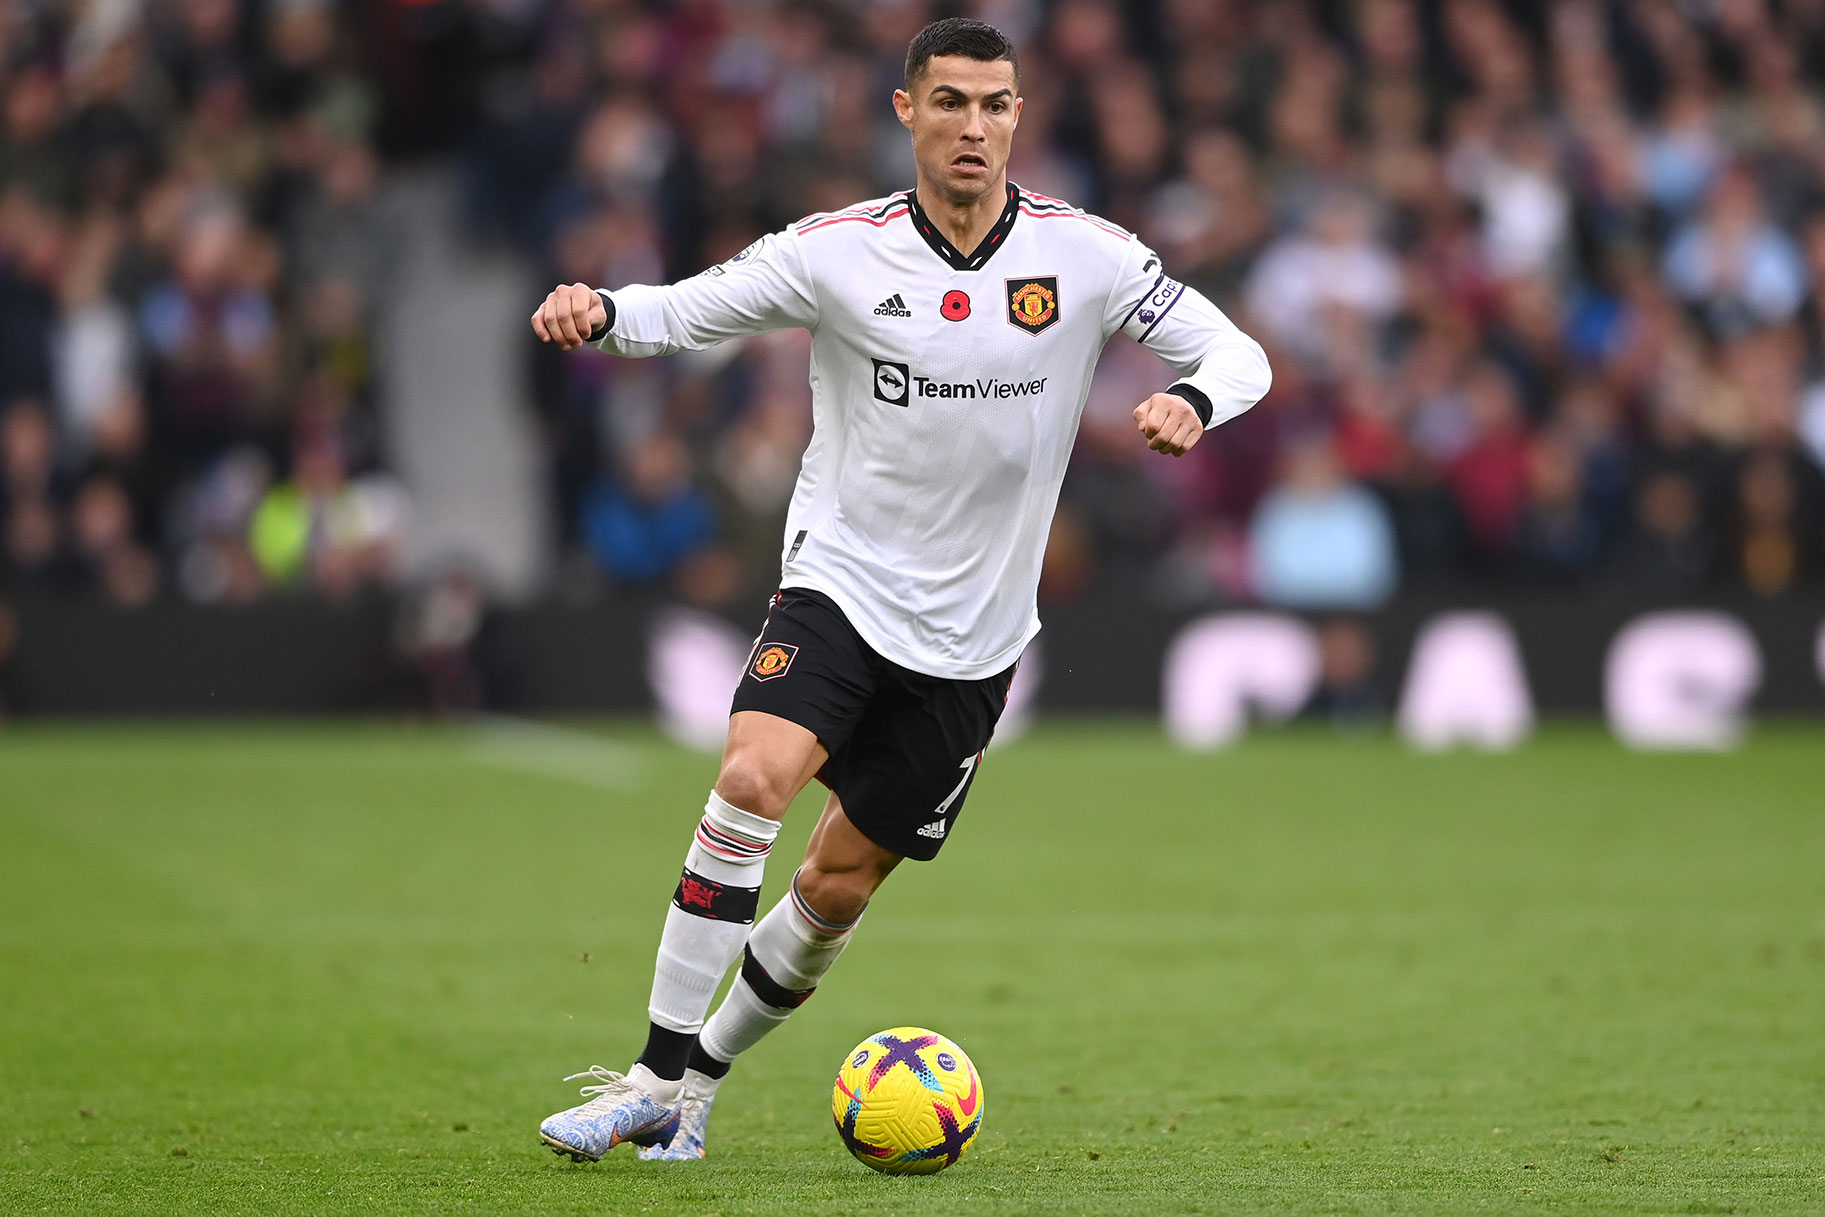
(608, 303)
(985, 249)
(1200, 401)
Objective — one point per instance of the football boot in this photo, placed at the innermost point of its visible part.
(620, 1108)
(686, 1144)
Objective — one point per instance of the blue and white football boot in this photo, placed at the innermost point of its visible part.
(624, 1109)
(686, 1144)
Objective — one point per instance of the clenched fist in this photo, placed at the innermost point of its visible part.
(569, 315)
(1169, 423)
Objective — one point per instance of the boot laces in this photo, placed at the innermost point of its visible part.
(610, 1088)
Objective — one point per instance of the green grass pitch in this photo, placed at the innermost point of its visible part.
(341, 968)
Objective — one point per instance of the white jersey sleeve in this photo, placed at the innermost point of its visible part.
(1222, 370)
(766, 286)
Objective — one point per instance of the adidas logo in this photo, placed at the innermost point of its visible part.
(935, 830)
(893, 306)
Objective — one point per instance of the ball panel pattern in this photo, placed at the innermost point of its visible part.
(907, 1101)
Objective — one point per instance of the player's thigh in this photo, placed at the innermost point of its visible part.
(808, 682)
(906, 772)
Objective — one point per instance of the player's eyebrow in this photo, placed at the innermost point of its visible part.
(954, 91)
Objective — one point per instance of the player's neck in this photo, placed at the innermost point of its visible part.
(964, 223)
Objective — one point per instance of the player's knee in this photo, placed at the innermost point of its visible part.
(837, 896)
(748, 782)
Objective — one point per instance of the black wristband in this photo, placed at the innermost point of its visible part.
(608, 303)
(1196, 396)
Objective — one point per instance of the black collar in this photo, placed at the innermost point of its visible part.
(985, 249)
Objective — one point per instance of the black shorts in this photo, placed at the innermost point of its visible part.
(903, 746)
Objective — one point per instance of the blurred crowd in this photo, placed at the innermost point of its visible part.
(1543, 284)
(190, 250)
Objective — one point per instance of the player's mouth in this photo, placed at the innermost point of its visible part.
(970, 163)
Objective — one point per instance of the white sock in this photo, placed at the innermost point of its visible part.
(711, 912)
(788, 954)
(701, 1084)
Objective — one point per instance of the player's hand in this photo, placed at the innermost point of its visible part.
(1169, 424)
(569, 316)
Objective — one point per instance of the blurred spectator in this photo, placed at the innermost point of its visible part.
(1558, 534)
(34, 527)
(343, 534)
(211, 530)
(102, 542)
(1515, 181)
(642, 528)
(1732, 264)
(31, 248)
(1489, 475)
(211, 335)
(1318, 540)
(1303, 281)
(1673, 548)
(1777, 522)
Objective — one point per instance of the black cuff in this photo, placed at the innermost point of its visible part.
(601, 331)
(1196, 397)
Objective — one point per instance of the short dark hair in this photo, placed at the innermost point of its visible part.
(963, 36)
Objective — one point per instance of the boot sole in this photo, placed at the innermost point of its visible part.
(563, 1150)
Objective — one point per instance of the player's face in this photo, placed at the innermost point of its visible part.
(962, 114)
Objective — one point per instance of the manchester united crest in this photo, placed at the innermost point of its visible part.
(1033, 303)
(772, 660)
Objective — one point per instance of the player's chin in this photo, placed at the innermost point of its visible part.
(968, 179)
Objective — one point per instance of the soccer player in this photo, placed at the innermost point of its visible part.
(954, 329)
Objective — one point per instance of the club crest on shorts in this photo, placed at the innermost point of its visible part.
(772, 660)
(1033, 303)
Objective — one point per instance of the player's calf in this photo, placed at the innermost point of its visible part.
(838, 896)
(788, 953)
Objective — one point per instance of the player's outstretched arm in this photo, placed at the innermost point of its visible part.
(767, 286)
(570, 314)
(1168, 423)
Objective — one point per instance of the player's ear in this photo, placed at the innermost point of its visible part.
(902, 107)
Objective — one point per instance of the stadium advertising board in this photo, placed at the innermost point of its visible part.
(1444, 673)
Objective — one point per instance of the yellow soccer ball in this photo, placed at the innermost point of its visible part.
(907, 1101)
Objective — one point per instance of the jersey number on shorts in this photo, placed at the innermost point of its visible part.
(969, 769)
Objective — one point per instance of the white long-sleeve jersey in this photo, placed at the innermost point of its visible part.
(946, 391)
